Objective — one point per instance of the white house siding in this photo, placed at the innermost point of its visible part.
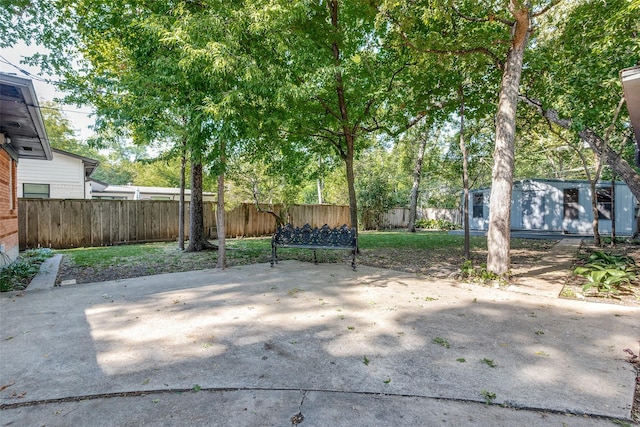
(65, 176)
(539, 205)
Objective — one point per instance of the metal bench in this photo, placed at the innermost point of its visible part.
(343, 237)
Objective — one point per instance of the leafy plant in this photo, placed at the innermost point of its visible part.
(489, 362)
(607, 272)
(443, 342)
(436, 224)
(480, 274)
(488, 396)
(17, 275)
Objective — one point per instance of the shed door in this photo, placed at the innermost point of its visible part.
(533, 210)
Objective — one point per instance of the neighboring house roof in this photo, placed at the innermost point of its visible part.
(98, 185)
(21, 121)
(631, 84)
(103, 188)
(90, 165)
(133, 188)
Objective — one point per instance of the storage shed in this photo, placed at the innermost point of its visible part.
(561, 206)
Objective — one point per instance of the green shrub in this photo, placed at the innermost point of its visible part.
(478, 274)
(607, 272)
(435, 224)
(17, 275)
(37, 255)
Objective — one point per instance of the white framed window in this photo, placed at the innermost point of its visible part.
(35, 191)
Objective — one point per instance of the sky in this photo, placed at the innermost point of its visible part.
(11, 63)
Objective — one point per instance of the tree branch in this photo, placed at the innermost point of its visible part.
(327, 108)
(393, 76)
(597, 144)
(489, 18)
(254, 191)
(545, 9)
(482, 50)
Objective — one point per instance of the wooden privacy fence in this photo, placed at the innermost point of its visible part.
(61, 224)
(399, 217)
(246, 221)
(452, 215)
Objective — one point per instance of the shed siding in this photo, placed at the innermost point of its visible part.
(539, 205)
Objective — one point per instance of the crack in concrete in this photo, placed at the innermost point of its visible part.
(299, 417)
(506, 405)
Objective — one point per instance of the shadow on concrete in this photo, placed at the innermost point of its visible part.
(318, 328)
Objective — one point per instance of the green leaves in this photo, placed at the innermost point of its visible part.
(607, 272)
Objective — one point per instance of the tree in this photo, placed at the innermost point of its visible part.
(154, 73)
(520, 23)
(126, 70)
(379, 186)
(465, 176)
(417, 176)
(445, 30)
(335, 79)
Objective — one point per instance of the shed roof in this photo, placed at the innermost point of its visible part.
(553, 181)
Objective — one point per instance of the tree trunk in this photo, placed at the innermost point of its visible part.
(320, 186)
(197, 239)
(181, 203)
(319, 182)
(417, 176)
(465, 179)
(613, 209)
(499, 235)
(595, 223)
(353, 204)
(220, 213)
(348, 132)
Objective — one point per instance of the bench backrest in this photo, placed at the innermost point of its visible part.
(323, 236)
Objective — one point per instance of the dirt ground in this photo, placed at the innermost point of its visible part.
(444, 263)
(435, 264)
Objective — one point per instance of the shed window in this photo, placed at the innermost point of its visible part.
(35, 191)
(478, 205)
(604, 202)
(571, 203)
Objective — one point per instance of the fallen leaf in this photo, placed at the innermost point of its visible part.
(7, 385)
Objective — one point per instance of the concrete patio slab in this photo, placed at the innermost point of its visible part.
(372, 347)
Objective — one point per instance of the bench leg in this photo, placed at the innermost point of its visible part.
(353, 260)
(274, 256)
(315, 259)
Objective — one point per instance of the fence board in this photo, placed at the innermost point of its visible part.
(64, 224)
(399, 217)
(82, 233)
(55, 225)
